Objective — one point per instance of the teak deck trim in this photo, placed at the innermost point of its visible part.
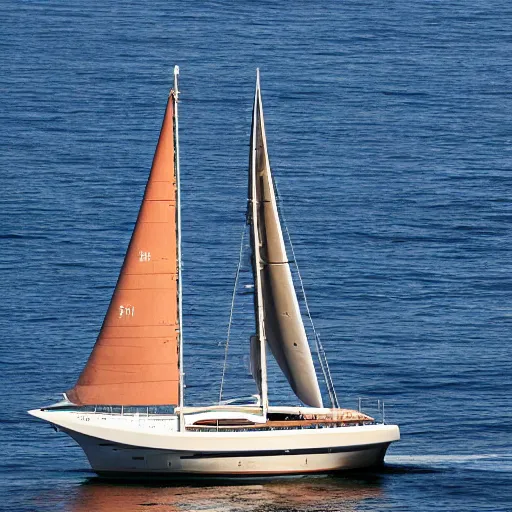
(279, 424)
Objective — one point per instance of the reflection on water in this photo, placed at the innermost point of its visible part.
(321, 493)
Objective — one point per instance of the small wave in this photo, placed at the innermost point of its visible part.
(404, 93)
(404, 459)
(71, 265)
(482, 462)
(12, 235)
(43, 319)
(16, 236)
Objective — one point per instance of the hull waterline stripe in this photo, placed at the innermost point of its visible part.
(204, 476)
(280, 453)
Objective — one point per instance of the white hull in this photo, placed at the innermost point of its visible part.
(119, 460)
(124, 446)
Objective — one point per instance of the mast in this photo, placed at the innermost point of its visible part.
(256, 253)
(178, 246)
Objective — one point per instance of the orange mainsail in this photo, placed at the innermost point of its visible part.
(135, 360)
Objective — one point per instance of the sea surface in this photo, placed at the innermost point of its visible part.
(389, 127)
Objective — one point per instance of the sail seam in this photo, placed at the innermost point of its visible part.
(128, 337)
(135, 364)
(125, 383)
(138, 325)
(140, 289)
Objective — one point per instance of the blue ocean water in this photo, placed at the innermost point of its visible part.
(390, 135)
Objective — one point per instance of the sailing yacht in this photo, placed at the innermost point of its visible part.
(127, 409)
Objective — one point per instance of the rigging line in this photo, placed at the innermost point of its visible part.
(335, 402)
(226, 346)
(322, 357)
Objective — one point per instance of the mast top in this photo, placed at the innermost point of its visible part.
(175, 88)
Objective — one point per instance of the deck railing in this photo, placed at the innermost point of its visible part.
(368, 405)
